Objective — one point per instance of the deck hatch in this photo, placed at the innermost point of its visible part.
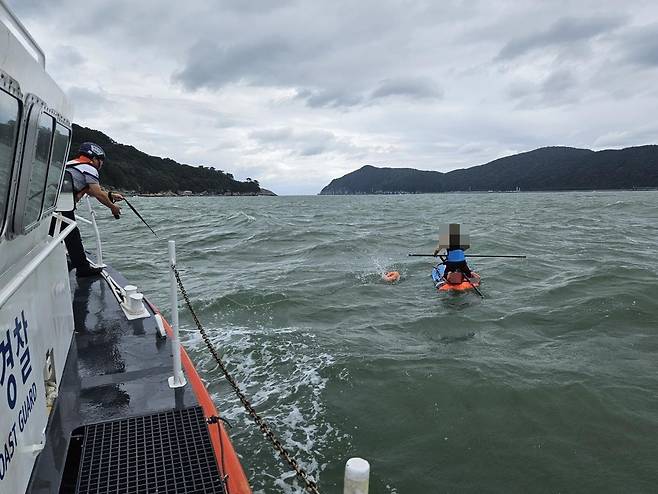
(168, 452)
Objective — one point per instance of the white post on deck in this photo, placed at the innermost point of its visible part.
(99, 249)
(357, 476)
(178, 379)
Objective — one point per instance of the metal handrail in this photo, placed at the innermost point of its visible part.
(92, 222)
(178, 379)
(18, 280)
(22, 31)
(99, 247)
(84, 220)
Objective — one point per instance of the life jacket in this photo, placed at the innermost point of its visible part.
(454, 278)
(455, 255)
(84, 166)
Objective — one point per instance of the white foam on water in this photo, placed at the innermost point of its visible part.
(280, 372)
(240, 216)
(248, 216)
(376, 267)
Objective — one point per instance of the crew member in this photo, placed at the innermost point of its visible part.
(84, 173)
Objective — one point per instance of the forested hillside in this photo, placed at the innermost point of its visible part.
(550, 168)
(130, 169)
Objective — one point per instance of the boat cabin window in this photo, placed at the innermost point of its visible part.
(60, 150)
(9, 118)
(36, 184)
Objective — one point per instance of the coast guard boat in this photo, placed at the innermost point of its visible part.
(90, 400)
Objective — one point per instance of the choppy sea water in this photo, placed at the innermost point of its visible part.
(548, 384)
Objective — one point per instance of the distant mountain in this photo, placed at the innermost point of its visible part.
(549, 168)
(130, 169)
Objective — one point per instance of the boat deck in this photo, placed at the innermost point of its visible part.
(116, 370)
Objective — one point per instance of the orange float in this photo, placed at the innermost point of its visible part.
(464, 285)
(444, 285)
(391, 276)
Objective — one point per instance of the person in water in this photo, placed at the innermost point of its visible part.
(454, 260)
(450, 249)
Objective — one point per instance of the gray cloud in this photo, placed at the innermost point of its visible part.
(300, 92)
(302, 143)
(558, 88)
(420, 88)
(313, 150)
(69, 56)
(89, 102)
(332, 59)
(329, 98)
(640, 45)
(271, 135)
(558, 83)
(562, 32)
(619, 137)
(213, 65)
(28, 8)
(409, 87)
(255, 6)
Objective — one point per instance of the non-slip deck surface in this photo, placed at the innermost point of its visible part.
(164, 453)
(115, 369)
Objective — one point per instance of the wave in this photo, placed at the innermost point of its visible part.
(282, 372)
(332, 355)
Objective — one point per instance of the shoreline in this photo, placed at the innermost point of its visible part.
(133, 193)
(638, 189)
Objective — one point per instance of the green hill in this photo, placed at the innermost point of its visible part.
(549, 168)
(130, 169)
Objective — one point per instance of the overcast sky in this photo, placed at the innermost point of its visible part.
(297, 92)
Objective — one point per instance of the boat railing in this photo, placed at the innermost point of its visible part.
(17, 281)
(92, 222)
(178, 378)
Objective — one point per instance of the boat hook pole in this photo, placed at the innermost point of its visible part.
(134, 211)
(468, 255)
